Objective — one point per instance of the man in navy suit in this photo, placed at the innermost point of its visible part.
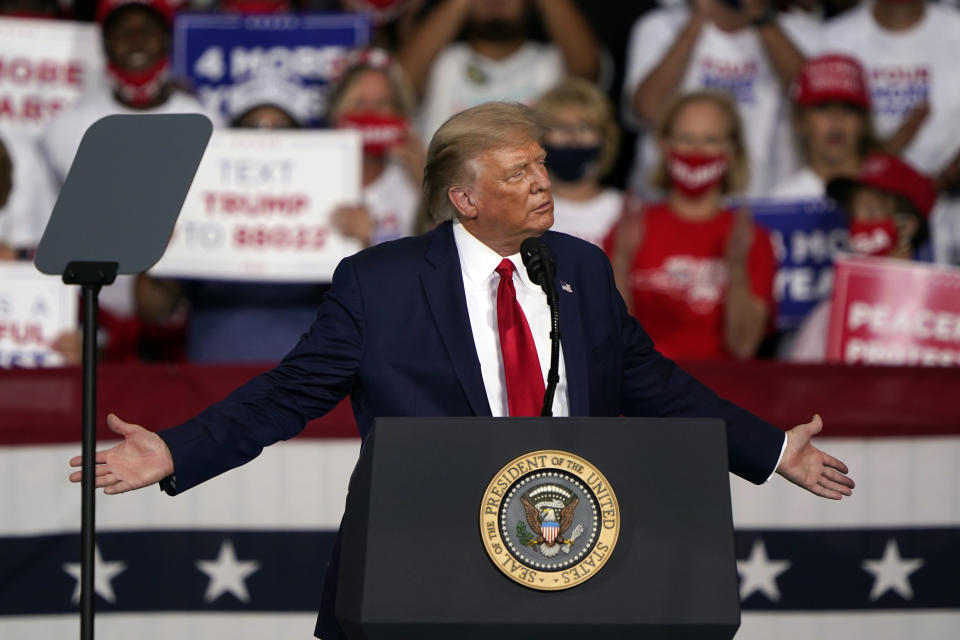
(410, 328)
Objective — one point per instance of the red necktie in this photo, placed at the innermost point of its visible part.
(521, 366)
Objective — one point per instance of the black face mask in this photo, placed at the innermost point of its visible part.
(571, 164)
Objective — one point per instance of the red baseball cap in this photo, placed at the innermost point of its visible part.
(887, 172)
(831, 78)
(165, 8)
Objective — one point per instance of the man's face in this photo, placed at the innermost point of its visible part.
(833, 132)
(136, 38)
(497, 20)
(510, 199)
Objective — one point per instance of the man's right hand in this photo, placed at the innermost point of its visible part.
(140, 460)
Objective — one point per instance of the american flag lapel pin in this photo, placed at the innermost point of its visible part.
(566, 286)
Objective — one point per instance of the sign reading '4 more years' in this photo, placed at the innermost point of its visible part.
(894, 312)
(806, 236)
(218, 51)
(259, 207)
(34, 310)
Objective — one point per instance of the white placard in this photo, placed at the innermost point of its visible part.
(259, 207)
(34, 310)
(44, 67)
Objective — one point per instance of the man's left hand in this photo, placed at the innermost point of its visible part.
(806, 466)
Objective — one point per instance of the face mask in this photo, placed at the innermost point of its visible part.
(693, 174)
(570, 164)
(873, 238)
(140, 87)
(379, 131)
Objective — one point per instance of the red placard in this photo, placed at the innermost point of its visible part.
(894, 312)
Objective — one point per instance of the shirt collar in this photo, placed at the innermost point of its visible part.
(478, 261)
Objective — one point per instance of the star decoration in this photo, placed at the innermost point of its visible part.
(227, 574)
(103, 574)
(759, 573)
(891, 572)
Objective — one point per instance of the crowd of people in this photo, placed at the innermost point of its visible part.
(653, 155)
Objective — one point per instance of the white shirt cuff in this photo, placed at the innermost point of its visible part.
(783, 448)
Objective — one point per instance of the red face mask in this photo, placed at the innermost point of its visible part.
(379, 131)
(873, 238)
(693, 174)
(140, 87)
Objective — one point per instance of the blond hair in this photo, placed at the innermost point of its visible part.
(463, 137)
(401, 91)
(738, 174)
(576, 92)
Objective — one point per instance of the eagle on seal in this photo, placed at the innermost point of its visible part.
(548, 517)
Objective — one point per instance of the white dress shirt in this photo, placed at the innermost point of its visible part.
(478, 263)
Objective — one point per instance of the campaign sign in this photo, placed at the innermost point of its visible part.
(217, 51)
(259, 207)
(44, 67)
(34, 310)
(894, 312)
(806, 236)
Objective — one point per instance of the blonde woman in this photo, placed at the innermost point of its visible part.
(581, 143)
(698, 275)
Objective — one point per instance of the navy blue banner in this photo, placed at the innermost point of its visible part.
(806, 236)
(214, 52)
(780, 570)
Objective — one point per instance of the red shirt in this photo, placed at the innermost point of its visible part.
(678, 281)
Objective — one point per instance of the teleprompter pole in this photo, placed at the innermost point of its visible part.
(91, 276)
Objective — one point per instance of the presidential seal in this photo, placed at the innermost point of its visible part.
(549, 520)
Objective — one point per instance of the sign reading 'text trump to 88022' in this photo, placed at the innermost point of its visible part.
(260, 205)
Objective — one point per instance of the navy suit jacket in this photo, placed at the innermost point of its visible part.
(393, 332)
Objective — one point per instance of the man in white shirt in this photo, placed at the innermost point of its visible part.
(408, 329)
(908, 48)
(136, 39)
(497, 60)
(711, 45)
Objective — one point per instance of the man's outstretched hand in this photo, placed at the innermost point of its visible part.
(139, 461)
(806, 466)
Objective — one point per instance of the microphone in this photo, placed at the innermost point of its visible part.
(541, 270)
(538, 260)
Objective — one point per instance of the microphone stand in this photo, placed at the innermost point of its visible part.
(553, 375)
(539, 263)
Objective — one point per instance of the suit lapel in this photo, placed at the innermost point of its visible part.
(571, 337)
(443, 287)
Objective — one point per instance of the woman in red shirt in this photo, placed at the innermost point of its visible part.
(697, 274)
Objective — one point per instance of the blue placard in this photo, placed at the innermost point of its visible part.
(217, 51)
(806, 236)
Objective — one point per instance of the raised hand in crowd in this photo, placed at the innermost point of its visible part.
(354, 221)
(908, 129)
(410, 154)
(745, 315)
(139, 460)
(665, 78)
(70, 347)
(627, 237)
(565, 26)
